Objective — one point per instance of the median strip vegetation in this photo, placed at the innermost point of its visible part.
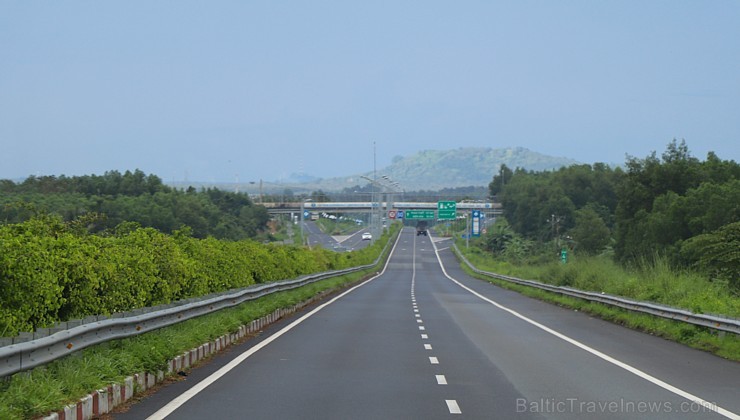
(54, 271)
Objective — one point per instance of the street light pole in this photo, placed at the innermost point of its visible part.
(375, 206)
(303, 236)
(387, 189)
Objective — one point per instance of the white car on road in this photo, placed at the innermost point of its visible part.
(366, 236)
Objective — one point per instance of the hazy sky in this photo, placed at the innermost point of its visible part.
(215, 90)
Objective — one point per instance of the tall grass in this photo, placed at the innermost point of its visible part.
(651, 279)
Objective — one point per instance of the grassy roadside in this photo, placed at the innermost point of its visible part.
(725, 345)
(50, 387)
(337, 227)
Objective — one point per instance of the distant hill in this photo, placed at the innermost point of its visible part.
(465, 166)
(462, 167)
(429, 170)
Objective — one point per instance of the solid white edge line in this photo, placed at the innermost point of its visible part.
(413, 271)
(181, 399)
(691, 397)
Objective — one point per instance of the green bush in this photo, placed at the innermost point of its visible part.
(53, 271)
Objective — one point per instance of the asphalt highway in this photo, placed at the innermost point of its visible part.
(422, 340)
(316, 237)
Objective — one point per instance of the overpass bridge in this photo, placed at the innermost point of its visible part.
(488, 208)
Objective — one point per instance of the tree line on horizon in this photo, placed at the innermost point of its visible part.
(675, 206)
(107, 200)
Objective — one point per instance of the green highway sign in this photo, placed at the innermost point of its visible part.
(418, 214)
(446, 210)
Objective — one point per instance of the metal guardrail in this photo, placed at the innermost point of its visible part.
(714, 322)
(27, 355)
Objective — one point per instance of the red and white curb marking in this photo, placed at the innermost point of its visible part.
(103, 401)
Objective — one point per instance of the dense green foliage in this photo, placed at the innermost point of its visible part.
(133, 197)
(542, 205)
(677, 207)
(663, 203)
(49, 388)
(51, 270)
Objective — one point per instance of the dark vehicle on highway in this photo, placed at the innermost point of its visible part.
(421, 228)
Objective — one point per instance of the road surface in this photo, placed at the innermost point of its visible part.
(422, 340)
(316, 237)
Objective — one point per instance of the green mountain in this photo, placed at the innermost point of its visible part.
(429, 170)
(465, 166)
(462, 167)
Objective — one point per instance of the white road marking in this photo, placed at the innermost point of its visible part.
(181, 399)
(668, 387)
(419, 321)
(421, 328)
(453, 407)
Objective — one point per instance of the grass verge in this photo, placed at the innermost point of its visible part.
(49, 388)
(722, 344)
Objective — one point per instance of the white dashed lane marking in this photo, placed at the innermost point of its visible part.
(453, 407)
